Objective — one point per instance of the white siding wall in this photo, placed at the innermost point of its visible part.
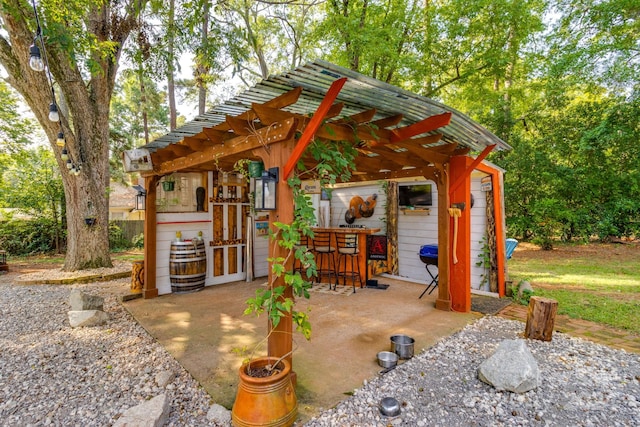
(415, 230)
(260, 255)
(478, 231)
(189, 224)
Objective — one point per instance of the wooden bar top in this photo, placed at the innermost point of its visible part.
(346, 230)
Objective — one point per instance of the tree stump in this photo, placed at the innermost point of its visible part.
(541, 316)
(137, 277)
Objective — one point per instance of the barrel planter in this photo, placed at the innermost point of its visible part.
(187, 266)
(265, 401)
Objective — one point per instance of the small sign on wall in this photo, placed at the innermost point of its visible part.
(262, 228)
(311, 186)
(485, 183)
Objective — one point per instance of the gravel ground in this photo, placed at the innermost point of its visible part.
(52, 374)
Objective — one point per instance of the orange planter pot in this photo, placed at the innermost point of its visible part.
(269, 401)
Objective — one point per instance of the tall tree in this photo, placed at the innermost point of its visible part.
(83, 43)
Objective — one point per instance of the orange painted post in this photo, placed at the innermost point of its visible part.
(280, 340)
(460, 272)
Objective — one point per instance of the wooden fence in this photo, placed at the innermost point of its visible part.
(130, 228)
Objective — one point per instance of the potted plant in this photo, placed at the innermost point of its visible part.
(265, 393)
(168, 184)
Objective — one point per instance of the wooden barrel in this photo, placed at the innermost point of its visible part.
(187, 266)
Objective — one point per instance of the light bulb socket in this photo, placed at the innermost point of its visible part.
(60, 141)
(53, 112)
(35, 59)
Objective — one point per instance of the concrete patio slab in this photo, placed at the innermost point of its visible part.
(208, 334)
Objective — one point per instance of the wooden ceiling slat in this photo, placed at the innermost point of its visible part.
(196, 144)
(425, 154)
(363, 117)
(241, 126)
(388, 121)
(215, 136)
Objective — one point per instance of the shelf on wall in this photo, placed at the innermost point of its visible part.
(416, 211)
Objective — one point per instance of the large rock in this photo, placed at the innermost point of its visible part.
(512, 367)
(78, 318)
(81, 301)
(152, 413)
(219, 415)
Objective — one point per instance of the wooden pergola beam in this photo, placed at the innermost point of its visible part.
(265, 136)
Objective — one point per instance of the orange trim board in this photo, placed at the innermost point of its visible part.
(313, 125)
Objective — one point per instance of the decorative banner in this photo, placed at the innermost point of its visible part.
(377, 247)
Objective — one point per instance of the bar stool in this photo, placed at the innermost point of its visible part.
(324, 252)
(348, 248)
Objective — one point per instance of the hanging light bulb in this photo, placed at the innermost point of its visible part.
(77, 172)
(64, 155)
(53, 112)
(60, 141)
(35, 60)
(69, 164)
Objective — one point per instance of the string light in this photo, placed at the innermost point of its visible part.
(35, 60)
(38, 61)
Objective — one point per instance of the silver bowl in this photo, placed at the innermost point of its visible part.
(389, 407)
(387, 359)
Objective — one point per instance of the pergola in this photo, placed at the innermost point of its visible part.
(397, 134)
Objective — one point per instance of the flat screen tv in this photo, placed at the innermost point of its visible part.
(415, 195)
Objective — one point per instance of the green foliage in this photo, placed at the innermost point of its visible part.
(28, 237)
(485, 260)
(336, 160)
(138, 241)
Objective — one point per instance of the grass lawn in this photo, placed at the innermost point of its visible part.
(596, 282)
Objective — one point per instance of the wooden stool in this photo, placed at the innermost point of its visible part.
(541, 316)
(348, 249)
(324, 252)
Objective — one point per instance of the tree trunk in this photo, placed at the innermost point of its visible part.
(173, 116)
(202, 70)
(84, 123)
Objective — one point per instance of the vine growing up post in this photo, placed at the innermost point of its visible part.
(333, 161)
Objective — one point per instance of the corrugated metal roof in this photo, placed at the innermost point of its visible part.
(360, 93)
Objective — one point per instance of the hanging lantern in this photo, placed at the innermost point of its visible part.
(35, 59)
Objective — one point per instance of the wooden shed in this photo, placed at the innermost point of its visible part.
(401, 138)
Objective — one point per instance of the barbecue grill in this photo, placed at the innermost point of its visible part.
(429, 255)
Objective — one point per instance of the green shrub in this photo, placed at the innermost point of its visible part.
(117, 240)
(138, 241)
(29, 237)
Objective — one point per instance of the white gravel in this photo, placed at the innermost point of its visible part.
(582, 384)
(52, 374)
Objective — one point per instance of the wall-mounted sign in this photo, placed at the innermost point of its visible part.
(262, 228)
(485, 183)
(311, 186)
(377, 247)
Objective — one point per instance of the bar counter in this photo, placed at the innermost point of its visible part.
(362, 243)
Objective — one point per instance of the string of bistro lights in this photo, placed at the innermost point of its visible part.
(38, 62)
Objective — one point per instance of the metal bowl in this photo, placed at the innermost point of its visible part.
(389, 407)
(387, 359)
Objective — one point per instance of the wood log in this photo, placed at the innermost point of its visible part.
(541, 316)
(137, 277)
